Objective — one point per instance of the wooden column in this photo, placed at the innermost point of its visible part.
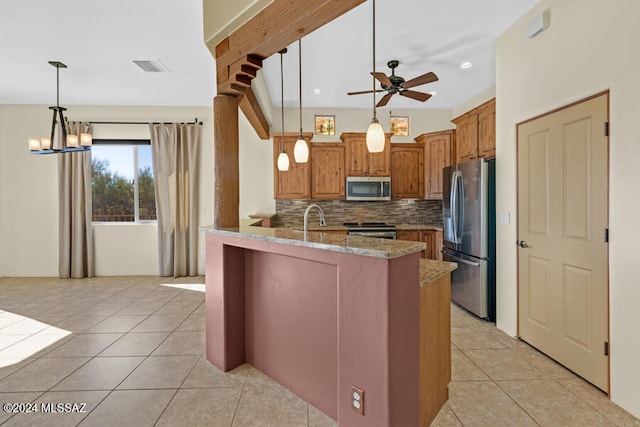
(227, 163)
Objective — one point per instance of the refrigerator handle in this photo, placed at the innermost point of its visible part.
(453, 201)
(461, 260)
(459, 207)
(461, 198)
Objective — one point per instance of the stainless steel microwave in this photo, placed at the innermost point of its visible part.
(366, 188)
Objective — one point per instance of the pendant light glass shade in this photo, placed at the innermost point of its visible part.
(283, 158)
(375, 137)
(283, 162)
(301, 151)
(375, 133)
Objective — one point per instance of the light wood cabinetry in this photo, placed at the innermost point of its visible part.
(435, 347)
(407, 171)
(487, 130)
(438, 147)
(327, 171)
(431, 238)
(359, 162)
(296, 182)
(476, 133)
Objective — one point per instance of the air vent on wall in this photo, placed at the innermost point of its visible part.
(151, 66)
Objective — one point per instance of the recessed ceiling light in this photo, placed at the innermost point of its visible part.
(151, 66)
(433, 93)
(466, 65)
(316, 91)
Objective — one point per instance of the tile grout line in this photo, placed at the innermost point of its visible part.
(235, 412)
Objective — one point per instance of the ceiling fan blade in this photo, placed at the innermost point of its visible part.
(420, 80)
(418, 96)
(382, 78)
(364, 91)
(385, 100)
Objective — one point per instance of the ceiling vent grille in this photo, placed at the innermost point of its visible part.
(151, 66)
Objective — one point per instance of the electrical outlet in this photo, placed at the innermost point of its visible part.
(357, 399)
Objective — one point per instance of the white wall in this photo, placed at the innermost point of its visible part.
(29, 204)
(29, 195)
(589, 47)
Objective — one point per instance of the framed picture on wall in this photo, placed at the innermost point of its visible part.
(325, 125)
(399, 125)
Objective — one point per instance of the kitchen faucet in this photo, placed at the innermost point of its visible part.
(306, 218)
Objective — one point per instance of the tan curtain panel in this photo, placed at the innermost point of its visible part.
(75, 257)
(174, 150)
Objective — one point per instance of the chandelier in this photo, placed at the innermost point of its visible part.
(65, 142)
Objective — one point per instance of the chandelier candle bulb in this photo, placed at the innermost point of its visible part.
(45, 143)
(72, 140)
(86, 139)
(34, 144)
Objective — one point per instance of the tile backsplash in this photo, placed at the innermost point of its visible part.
(339, 211)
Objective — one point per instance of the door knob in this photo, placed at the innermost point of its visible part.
(523, 244)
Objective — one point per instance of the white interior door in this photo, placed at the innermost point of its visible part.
(562, 222)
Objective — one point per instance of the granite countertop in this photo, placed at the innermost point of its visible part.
(340, 227)
(409, 227)
(431, 270)
(357, 245)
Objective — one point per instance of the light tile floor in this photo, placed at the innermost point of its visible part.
(131, 349)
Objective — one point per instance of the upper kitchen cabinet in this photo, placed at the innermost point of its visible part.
(407, 171)
(359, 162)
(296, 182)
(476, 133)
(327, 171)
(487, 130)
(438, 147)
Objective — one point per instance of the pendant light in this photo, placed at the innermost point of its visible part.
(300, 150)
(64, 142)
(283, 158)
(375, 134)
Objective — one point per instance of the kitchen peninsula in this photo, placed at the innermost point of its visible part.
(323, 313)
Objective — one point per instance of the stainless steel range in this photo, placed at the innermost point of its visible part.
(371, 229)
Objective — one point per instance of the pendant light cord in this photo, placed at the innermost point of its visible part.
(300, 81)
(282, 52)
(373, 76)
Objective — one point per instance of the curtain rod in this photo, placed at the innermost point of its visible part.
(195, 122)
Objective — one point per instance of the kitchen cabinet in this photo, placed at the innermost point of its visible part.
(438, 147)
(433, 240)
(358, 160)
(294, 183)
(487, 130)
(476, 133)
(327, 171)
(407, 171)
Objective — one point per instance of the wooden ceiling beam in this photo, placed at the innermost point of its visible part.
(252, 111)
(239, 56)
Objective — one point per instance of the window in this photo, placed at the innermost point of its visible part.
(122, 181)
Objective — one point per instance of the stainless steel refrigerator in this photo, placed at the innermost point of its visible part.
(469, 216)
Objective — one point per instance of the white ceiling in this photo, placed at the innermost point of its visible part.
(98, 40)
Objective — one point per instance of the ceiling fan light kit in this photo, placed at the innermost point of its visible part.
(66, 142)
(300, 150)
(393, 84)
